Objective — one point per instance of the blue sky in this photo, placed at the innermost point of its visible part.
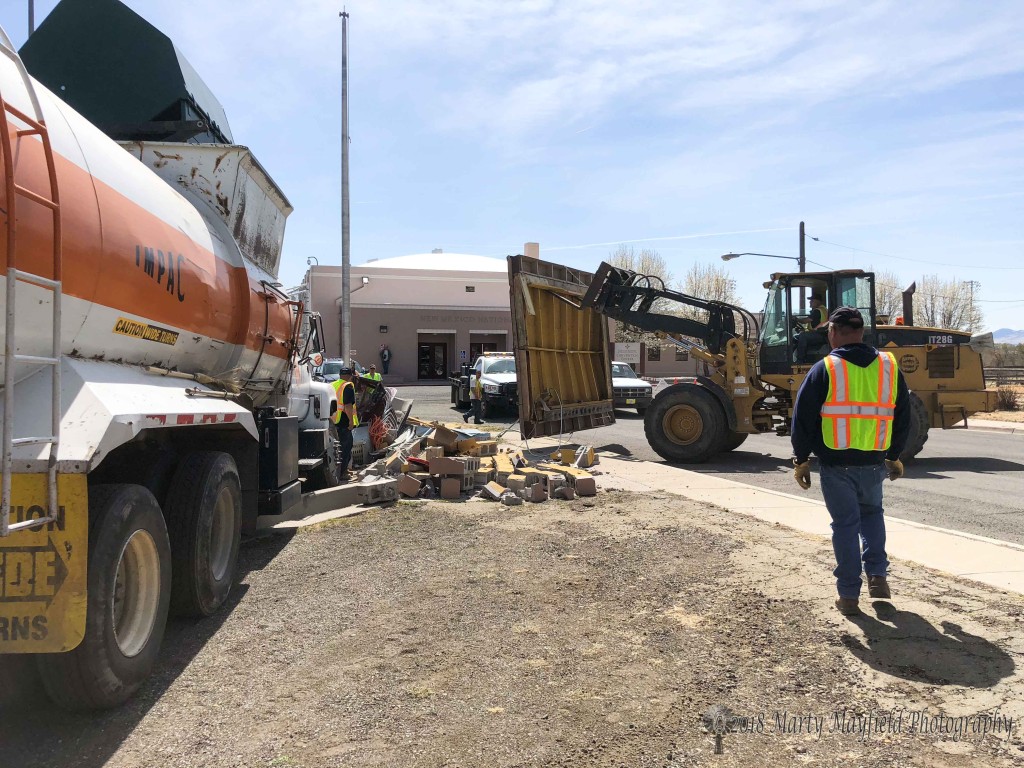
(695, 128)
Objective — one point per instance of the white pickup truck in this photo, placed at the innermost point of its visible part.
(498, 376)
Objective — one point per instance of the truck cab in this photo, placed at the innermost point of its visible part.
(787, 315)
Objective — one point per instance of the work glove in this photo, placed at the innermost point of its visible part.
(802, 473)
(895, 468)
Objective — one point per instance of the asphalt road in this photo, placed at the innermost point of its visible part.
(965, 480)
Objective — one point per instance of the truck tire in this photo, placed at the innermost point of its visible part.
(129, 590)
(734, 440)
(919, 423)
(685, 425)
(326, 475)
(641, 410)
(204, 523)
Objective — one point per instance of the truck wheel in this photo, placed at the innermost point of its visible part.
(734, 440)
(919, 423)
(642, 410)
(685, 425)
(129, 590)
(486, 409)
(204, 520)
(326, 475)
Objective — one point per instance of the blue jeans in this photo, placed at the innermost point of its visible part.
(853, 496)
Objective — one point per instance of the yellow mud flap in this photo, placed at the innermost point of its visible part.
(43, 570)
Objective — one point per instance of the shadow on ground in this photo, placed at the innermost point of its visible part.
(37, 733)
(905, 645)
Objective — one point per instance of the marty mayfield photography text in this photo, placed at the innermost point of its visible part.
(873, 724)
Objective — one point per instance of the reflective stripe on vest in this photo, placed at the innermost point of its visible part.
(861, 404)
(339, 385)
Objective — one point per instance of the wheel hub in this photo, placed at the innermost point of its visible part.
(682, 424)
(136, 596)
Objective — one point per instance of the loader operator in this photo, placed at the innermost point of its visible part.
(345, 419)
(817, 329)
(853, 413)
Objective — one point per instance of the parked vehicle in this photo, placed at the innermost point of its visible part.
(157, 396)
(629, 390)
(498, 377)
(328, 370)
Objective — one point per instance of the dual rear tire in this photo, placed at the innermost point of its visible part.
(140, 568)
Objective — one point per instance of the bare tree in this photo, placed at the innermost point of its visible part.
(888, 294)
(711, 282)
(948, 304)
(645, 262)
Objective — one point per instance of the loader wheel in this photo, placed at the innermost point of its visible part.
(129, 590)
(204, 517)
(734, 441)
(919, 423)
(685, 426)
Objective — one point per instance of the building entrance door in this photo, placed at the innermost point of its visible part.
(433, 361)
(478, 348)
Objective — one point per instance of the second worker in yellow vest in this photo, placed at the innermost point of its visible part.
(853, 413)
(345, 419)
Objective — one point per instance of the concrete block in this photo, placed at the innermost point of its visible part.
(511, 500)
(494, 490)
(536, 493)
(451, 488)
(378, 491)
(486, 448)
(467, 481)
(409, 486)
(447, 465)
(585, 486)
(467, 446)
(442, 436)
(516, 482)
(565, 492)
(433, 452)
(585, 457)
(483, 477)
(564, 456)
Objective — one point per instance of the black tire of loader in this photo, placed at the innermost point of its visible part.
(919, 424)
(707, 440)
(96, 674)
(326, 475)
(191, 507)
(734, 440)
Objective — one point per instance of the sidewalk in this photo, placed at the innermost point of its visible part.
(995, 563)
(1014, 427)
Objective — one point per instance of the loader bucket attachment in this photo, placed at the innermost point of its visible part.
(563, 358)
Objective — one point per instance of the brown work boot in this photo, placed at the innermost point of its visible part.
(848, 606)
(878, 588)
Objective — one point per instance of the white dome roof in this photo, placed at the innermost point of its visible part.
(446, 262)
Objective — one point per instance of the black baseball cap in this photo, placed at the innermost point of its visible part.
(345, 371)
(847, 317)
(818, 296)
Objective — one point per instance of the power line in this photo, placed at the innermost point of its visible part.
(905, 258)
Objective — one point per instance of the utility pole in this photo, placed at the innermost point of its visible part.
(31, 17)
(970, 318)
(346, 308)
(803, 266)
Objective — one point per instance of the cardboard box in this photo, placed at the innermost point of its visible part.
(451, 488)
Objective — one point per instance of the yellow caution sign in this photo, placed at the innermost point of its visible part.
(43, 570)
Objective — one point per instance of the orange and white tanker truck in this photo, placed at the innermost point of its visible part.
(157, 397)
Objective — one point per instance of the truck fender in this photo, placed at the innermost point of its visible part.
(708, 384)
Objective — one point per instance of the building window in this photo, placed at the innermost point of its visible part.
(470, 289)
(653, 353)
(682, 355)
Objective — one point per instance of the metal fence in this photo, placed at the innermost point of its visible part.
(1002, 376)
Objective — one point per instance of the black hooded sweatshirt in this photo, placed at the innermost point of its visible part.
(813, 392)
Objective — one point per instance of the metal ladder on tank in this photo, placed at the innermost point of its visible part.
(36, 127)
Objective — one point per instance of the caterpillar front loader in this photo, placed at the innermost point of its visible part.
(751, 374)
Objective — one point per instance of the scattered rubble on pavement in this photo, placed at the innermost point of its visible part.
(437, 460)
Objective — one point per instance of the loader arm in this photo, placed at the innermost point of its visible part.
(644, 302)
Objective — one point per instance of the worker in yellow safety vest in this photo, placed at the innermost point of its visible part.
(853, 413)
(476, 397)
(345, 419)
(373, 375)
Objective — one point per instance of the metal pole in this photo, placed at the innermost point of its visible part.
(31, 17)
(346, 309)
(803, 267)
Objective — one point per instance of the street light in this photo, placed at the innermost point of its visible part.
(798, 259)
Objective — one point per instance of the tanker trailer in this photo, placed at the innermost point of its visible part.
(157, 397)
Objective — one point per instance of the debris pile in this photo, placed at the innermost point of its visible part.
(432, 459)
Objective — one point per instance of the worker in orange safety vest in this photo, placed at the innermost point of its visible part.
(853, 413)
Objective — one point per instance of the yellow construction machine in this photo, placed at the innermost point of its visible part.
(751, 372)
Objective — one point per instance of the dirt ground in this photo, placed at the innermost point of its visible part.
(587, 633)
(1017, 415)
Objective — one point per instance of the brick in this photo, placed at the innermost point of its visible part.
(585, 486)
(451, 488)
(409, 486)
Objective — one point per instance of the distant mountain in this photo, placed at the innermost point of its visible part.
(1008, 336)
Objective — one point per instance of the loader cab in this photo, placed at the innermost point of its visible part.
(787, 315)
